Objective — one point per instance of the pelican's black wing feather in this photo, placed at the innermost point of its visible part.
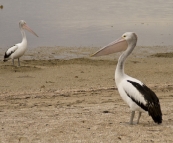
(9, 52)
(153, 104)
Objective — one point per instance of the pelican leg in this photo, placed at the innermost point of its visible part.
(13, 62)
(18, 62)
(131, 118)
(138, 118)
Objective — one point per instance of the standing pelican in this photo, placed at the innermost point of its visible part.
(136, 94)
(19, 49)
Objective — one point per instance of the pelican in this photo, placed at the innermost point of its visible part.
(135, 93)
(16, 51)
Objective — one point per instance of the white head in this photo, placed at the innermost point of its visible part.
(128, 39)
(23, 25)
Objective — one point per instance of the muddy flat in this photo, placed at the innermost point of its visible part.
(75, 100)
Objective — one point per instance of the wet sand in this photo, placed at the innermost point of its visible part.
(73, 98)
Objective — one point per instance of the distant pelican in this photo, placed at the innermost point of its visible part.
(136, 94)
(19, 49)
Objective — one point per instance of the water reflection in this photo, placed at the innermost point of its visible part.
(87, 23)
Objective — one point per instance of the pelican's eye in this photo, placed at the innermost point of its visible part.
(124, 36)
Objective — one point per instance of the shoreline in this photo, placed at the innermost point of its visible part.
(66, 53)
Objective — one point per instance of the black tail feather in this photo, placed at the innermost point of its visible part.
(155, 112)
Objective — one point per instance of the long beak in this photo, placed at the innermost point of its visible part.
(114, 47)
(25, 26)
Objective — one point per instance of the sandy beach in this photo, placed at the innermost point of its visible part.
(62, 95)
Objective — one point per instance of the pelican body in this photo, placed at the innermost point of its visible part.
(135, 93)
(18, 50)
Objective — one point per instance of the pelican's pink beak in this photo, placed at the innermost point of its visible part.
(114, 47)
(25, 26)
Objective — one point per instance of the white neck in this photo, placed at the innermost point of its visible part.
(119, 72)
(24, 40)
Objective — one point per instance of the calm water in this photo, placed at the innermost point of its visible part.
(86, 22)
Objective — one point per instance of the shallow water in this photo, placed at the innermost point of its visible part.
(86, 23)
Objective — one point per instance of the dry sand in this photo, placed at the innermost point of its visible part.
(71, 100)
